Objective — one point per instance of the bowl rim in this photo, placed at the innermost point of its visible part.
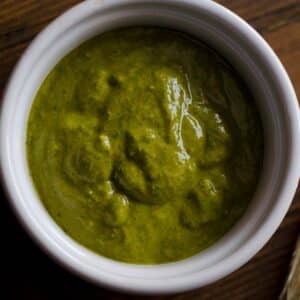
(244, 253)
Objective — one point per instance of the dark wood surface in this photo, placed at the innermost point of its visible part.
(27, 273)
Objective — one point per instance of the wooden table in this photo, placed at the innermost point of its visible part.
(30, 274)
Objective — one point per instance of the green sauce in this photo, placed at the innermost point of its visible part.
(144, 145)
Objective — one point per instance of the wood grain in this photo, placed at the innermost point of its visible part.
(29, 274)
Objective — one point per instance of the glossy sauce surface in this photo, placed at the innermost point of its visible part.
(144, 145)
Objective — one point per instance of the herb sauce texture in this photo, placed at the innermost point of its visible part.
(144, 145)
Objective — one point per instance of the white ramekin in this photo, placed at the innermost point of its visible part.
(276, 100)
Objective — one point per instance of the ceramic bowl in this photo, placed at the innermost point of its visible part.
(272, 90)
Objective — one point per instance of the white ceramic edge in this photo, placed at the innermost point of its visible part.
(223, 268)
